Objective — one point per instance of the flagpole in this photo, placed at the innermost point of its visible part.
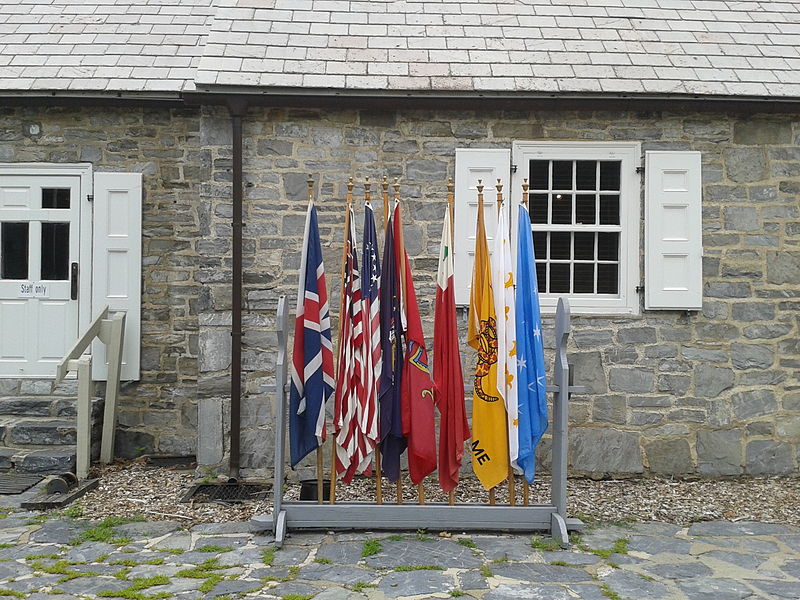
(402, 275)
(378, 477)
(385, 186)
(525, 487)
(451, 496)
(348, 202)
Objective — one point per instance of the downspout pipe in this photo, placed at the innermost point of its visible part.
(237, 108)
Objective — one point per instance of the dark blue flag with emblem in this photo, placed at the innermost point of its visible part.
(393, 443)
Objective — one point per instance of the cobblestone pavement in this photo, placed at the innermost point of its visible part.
(150, 560)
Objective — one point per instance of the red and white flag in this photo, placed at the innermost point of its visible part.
(350, 374)
(447, 376)
(371, 322)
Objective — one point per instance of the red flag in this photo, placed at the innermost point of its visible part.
(453, 426)
(416, 396)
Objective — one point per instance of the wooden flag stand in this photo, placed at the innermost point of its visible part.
(551, 517)
(438, 516)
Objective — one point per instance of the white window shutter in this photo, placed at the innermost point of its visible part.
(473, 164)
(673, 231)
(117, 264)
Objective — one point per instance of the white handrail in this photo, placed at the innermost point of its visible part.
(110, 331)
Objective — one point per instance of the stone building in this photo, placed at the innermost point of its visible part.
(660, 140)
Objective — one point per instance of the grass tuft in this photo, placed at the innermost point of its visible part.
(134, 591)
(361, 586)
(297, 597)
(14, 593)
(419, 568)
(213, 548)
(608, 592)
(267, 556)
(486, 571)
(456, 593)
(467, 543)
(548, 544)
(395, 538)
(322, 560)
(371, 547)
(104, 531)
(620, 547)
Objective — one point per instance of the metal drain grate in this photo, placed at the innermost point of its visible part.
(16, 483)
(225, 492)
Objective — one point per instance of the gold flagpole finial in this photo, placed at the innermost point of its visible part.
(499, 188)
(450, 186)
(385, 185)
(480, 187)
(525, 187)
(310, 182)
(350, 185)
(396, 187)
(367, 186)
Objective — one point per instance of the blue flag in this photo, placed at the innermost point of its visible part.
(532, 382)
(312, 357)
(393, 443)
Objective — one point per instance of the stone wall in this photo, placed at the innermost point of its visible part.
(158, 414)
(714, 392)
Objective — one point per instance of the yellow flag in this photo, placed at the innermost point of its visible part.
(489, 427)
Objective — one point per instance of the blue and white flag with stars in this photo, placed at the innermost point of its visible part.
(532, 383)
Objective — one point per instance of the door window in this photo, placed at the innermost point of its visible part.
(14, 250)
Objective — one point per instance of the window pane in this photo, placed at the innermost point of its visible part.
(540, 174)
(585, 209)
(609, 210)
(585, 175)
(540, 244)
(560, 245)
(541, 276)
(584, 246)
(607, 279)
(55, 197)
(55, 251)
(14, 251)
(538, 208)
(609, 175)
(562, 175)
(583, 278)
(562, 209)
(559, 278)
(608, 246)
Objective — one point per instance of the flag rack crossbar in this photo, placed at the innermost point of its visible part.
(551, 517)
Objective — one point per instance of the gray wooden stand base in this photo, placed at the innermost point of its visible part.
(463, 517)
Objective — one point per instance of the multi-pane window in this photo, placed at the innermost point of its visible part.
(575, 216)
(584, 202)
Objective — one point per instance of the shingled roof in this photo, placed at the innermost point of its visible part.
(611, 47)
(102, 45)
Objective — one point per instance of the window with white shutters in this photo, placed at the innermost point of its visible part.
(584, 202)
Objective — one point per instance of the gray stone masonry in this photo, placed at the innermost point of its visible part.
(157, 414)
(714, 392)
(712, 560)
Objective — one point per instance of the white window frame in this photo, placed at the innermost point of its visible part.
(627, 301)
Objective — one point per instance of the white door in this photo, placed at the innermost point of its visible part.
(39, 248)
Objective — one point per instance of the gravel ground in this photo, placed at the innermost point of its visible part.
(136, 488)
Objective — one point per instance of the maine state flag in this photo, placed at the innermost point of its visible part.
(532, 386)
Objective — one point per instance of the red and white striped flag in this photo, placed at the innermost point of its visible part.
(371, 321)
(350, 447)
